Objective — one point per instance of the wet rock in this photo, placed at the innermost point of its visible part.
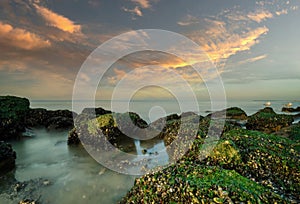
(114, 127)
(12, 114)
(73, 138)
(7, 158)
(266, 120)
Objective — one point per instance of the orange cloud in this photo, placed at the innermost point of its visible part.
(57, 21)
(142, 3)
(137, 11)
(253, 59)
(283, 11)
(21, 38)
(260, 15)
(220, 42)
(188, 20)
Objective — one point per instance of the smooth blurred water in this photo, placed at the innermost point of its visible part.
(75, 176)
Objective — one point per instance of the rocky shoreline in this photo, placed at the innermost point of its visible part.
(255, 160)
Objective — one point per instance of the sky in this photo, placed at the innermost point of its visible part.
(253, 45)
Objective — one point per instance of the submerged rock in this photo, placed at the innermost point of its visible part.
(25, 192)
(7, 158)
(12, 114)
(266, 120)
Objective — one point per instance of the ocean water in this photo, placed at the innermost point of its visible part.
(74, 175)
(152, 110)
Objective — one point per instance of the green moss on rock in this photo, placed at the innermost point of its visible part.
(185, 183)
(266, 120)
(12, 114)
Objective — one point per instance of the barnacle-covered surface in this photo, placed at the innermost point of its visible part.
(191, 183)
(245, 166)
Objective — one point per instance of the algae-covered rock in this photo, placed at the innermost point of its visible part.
(12, 114)
(270, 160)
(266, 120)
(225, 153)
(116, 127)
(186, 183)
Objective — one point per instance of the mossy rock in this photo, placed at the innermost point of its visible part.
(268, 159)
(103, 121)
(225, 153)
(14, 108)
(266, 120)
(187, 183)
(12, 115)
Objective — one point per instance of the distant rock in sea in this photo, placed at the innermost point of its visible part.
(290, 110)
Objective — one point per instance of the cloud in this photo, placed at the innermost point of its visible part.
(260, 15)
(253, 59)
(225, 43)
(57, 21)
(283, 11)
(188, 20)
(142, 3)
(136, 11)
(21, 38)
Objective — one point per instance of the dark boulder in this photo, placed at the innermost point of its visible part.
(36, 117)
(12, 115)
(73, 138)
(51, 119)
(266, 120)
(7, 158)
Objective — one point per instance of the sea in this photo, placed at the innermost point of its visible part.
(151, 110)
(75, 177)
